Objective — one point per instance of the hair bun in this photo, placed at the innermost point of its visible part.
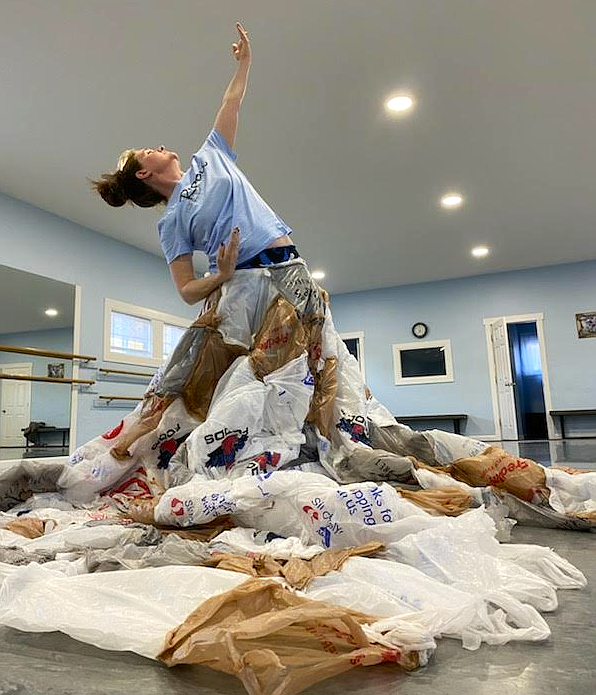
(111, 191)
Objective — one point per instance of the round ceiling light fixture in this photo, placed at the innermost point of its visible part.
(318, 274)
(399, 103)
(450, 201)
(480, 251)
(51, 312)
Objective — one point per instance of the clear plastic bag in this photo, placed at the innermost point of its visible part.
(131, 610)
(463, 553)
(391, 589)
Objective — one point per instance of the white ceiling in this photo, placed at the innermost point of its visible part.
(506, 103)
(24, 299)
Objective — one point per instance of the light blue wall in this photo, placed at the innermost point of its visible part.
(38, 242)
(50, 403)
(455, 309)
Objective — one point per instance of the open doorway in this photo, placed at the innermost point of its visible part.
(519, 377)
(528, 389)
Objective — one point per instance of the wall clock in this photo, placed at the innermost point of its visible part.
(420, 329)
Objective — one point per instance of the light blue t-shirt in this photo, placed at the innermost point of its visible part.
(212, 198)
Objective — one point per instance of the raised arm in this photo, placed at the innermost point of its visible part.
(226, 120)
(193, 289)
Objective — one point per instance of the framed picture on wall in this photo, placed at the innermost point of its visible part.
(56, 371)
(586, 324)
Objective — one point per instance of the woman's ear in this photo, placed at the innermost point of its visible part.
(142, 174)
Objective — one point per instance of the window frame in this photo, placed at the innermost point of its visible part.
(357, 335)
(157, 318)
(421, 345)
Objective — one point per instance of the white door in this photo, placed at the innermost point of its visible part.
(505, 394)
(15, 405)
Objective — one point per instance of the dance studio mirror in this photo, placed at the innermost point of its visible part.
(35, 312)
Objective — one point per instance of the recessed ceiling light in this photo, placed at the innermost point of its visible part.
(399, 103)
(451, 200)
(51, 312)
(480, 251)
(318, 274)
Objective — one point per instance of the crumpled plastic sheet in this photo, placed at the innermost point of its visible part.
(391, 589)
(463, 553)
(130, 610)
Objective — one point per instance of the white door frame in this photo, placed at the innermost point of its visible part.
(28, 367)
(538, 319)
(74, 391)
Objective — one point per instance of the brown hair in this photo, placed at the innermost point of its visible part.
(123, 186)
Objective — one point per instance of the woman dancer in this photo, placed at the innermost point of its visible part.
(205, 203)
(212, 207)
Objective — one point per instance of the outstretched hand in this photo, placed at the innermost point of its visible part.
(241, 50)
(227, 256)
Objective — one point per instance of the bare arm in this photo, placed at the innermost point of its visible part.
(193, 289)
(226, 120)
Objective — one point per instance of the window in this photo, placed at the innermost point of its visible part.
(427, 362)
(171, 336)
(130, 335)
(137, 335)
(355, 344)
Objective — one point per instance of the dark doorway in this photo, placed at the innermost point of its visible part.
(527, 377)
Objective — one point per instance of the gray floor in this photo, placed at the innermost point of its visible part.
(53, 664)
(580, 453)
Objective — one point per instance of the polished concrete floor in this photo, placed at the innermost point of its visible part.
(53, 664)
(580, 453)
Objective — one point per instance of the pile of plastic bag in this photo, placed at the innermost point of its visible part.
(262, 514)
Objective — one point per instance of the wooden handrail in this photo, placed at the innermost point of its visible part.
(120, 398)
(45, 353)
(51, 379)
(124, 371)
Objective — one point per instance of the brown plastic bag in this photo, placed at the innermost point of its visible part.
(275, 642)
(30, 528)
(281, 338)
(297, 572)
(498, 468)
(450, 501)
(214, 359)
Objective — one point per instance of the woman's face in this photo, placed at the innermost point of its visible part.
(155, 161)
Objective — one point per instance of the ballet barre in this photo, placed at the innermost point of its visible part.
(49, 379)
(103, 370)
(45, 353)
(109, 399)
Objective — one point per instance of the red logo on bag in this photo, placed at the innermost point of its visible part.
(134, 488)
(267, 458)
(390, 656)
(115, 432)
(225, 455)
(177, 507)
(312, 513)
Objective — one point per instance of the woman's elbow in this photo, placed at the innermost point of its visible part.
(185, 295)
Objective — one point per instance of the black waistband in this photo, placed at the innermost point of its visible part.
(272, 256)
